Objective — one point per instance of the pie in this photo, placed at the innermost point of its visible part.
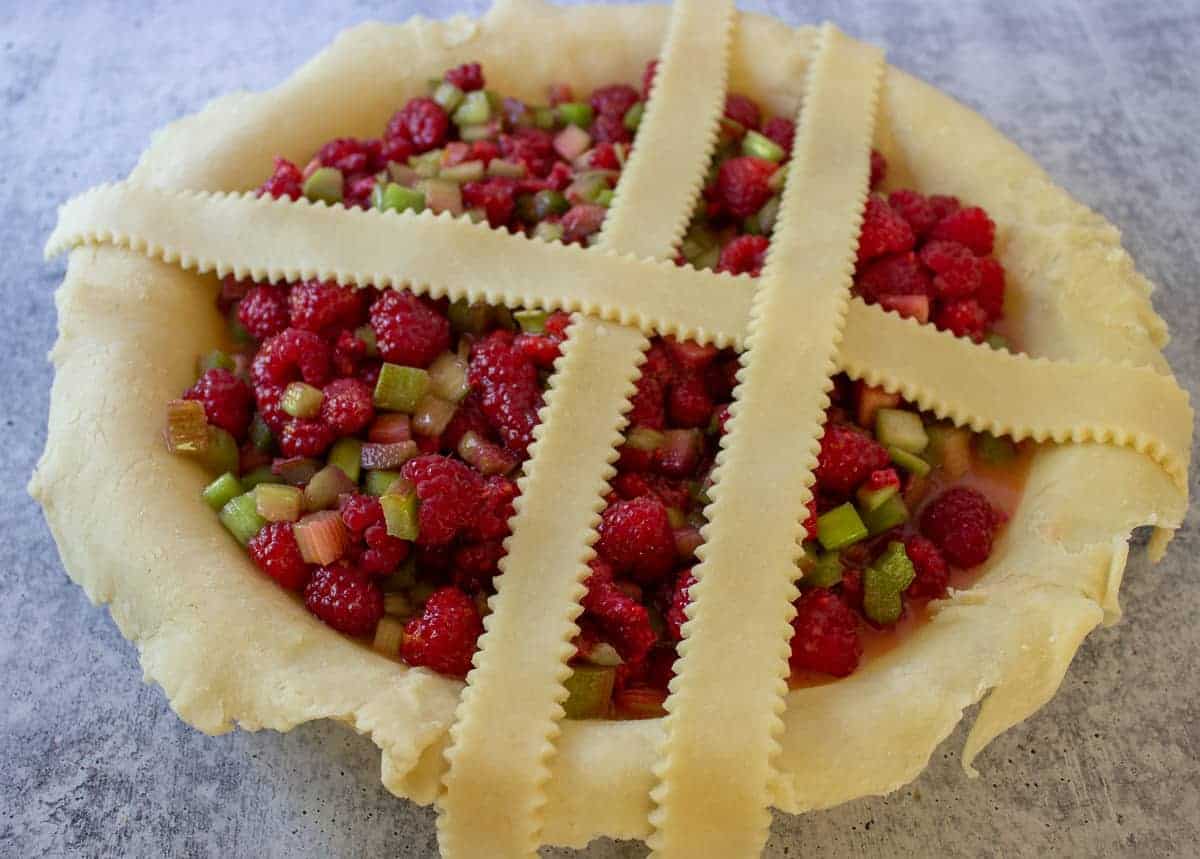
(590, 423)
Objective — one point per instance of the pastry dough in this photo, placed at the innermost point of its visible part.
(229, 647)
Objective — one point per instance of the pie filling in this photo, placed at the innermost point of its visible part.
(368, 442)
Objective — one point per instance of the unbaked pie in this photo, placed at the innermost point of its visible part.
(716, 412)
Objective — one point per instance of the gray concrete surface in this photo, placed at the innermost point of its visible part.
(93, 763)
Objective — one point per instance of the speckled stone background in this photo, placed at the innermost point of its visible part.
(94, 763)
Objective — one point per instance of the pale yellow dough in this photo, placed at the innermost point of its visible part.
(229, 647)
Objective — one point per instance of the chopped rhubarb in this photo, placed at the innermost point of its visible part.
(295, 470)
(487, 457)
(432, 415)
(884, 582)
(221, 491)
(277, 502)
(346, 454)
(400, 514)
(326, 485)
(589, 689)
(321, 537)
(389, 635)
(187, 428)
(909, 306)
(301, 400)
(240, 517)
(400, 389)
(448, 377)
(393, 455)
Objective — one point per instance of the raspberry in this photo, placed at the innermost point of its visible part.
(290, 355)
(228, 401)
(384, 552)
(742, 184)
(317, 306)
(276, 553)
(348, 353)
(744, 255)
(305, 437)
(810, 521)
(914, 208)
(782, 130)
(961, 523)
(449, 492)
(636, 538)
(468, 417)
(672, 493)
(883, 231)
(443, 636)
(847, 458)
(541, 351)
(879, 167)
(971, 227)
(495, 509)
(604, 157)
(475, 564)
(468, 77)
(395, 149)
(933, 575)
(285, 181)
(532, 147)
(496, 196)
(581, 221)
(743, 110)
(852, 589)
(360, 512)
(894, 274)
(407, 330)
(990, 294)
(267, 398)
(347, 407)
(508, 387)
(956, 270)
(647, 407)
(688, 402)
(943, 205)
(263, 312)
(648, 78)
(349, 154)
(624, 620)
(421, 122)
(963, 318)
(722, 378)
(675, 616)
(609, 129)
(344, 598)
(613, 100)
(689, 355)
(825, 635)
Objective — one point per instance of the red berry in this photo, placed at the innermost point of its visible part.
(349, 155)
(879, 167)
(971, 227)
(688, 402)
(509, 394)
(285, 181)
(289, 356)
(468, 417)
(744, 255)
(468, 77)
(613, 100)
(604, 157)
(810, 521)
(408, 331)
(894, 274)
(496, 196)
(581, 221)
(345, 598)
(421, 122)
(963, 318)
(396, 149)
(647, 405)
(263, 312)
(743, 110)
(624, 621)
(495, 509)
(347, 407)
(636, 538)
(360, 512)
(742, 184)
(319, 306)
(542, 351)
(675, 616)
(933, 574)
(961, 523)
(532, 147)
(914, 208)
(305, 437)
(227, 399)
(275, 551)
(476, 564)
(782, 130)
(847, 458)
(990, 294)
(825, 635)
(943, 205)
(449, 492)
(957, 273)
(384, 552)
(443, 636)
(648, 77)
(883, 231)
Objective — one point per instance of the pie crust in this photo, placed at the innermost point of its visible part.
(229, 647)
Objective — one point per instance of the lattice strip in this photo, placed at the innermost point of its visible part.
(717, 762)
(507, 719)
(1135, 407)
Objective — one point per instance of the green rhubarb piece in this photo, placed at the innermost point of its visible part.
(469, 318)
(901, 428)
(576, 113)
(482, 131)
(604, 655)
(262, 474)
(397, 604)
(997, 341)
(392, 197)
(872, 499)
(884, 582)
(824, 570)
(549, 202)
(840, 527)
(474, 109)
(366, 334)
(950, 448)
(301, 400)
(544, 118)
(277, 502)
(548, 232)
(589, 691)
(448, 96)
(260, 434)
(240, 517)
(325, 487)
(378, 481)
(221, 491)
(214, 360)
(604, 197)
(221, 454)
(994, 450)
(400, 389)
(767, 215)
(750, 225)
(760, 146)
(401, 580)
(187, 427)
(325, 184)
(887, 515)
(532, 321)
(467, 171)
(676, 517)
(507, 169)
(644, 438)
(427, 164)
(442, 195)
(400, 514)
(910, 462)
(346, 454)
(633, 116)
